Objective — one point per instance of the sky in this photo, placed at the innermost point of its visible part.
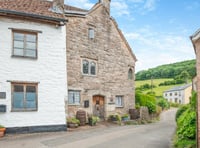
(158, 31)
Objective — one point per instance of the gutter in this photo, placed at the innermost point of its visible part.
(61, 21)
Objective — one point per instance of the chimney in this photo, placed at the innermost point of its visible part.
(58, 6)
(106, 4)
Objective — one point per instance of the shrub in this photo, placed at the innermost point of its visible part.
(187, 125)
(73, 120)
(163, 103)
(151, 106)
(181, 110)
(146, 100)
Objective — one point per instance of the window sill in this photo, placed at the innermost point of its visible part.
(74, 104)
(119, 106)
(22, 110)
(87, 75)
(17, 56)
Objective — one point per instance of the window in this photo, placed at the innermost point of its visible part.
(130, 74)
(91, 33)
(176, 100)
(93, 68)
(74, 97)
(89, 67)
(85, 67)
(24, 44)
(170, 94)
(24, 97)
(165, 94)
(119, 101)
(175, 93)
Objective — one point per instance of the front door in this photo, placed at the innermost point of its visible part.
(98, 106)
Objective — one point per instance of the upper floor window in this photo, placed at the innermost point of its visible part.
(89, 67)
(24, 44)
(130, 74)
(24, 97)
(74, 97)
(170, 94)
(91, 33)
(85, 67)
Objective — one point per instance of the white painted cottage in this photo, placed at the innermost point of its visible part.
(33, 79)
(179, 94)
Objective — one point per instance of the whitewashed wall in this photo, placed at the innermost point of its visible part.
(49, 70)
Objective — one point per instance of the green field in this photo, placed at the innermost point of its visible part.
(159, 89)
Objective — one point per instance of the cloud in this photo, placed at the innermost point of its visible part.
(192, 5)
(150, 5)
(152, 48)
(119, 8)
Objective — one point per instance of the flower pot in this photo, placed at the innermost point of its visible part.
(2, 132)
(72, 125)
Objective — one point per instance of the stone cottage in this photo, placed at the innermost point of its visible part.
(33, 80)
(195, 38)
(100, 63)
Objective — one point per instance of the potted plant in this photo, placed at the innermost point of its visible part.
(73, 122)
(125, 117)
(2, 130)
(93, 120)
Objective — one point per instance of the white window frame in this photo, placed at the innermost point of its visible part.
(91, 33)
(119, 102)
(89, 67)
(74, 92)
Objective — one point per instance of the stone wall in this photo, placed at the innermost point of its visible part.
(113, 58)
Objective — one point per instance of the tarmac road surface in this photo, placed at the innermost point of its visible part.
(154, 135)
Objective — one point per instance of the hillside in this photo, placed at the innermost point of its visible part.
(157, 89)
(168, 71)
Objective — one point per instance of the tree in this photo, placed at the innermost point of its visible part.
(184, 76)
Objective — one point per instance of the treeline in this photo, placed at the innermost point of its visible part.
(168, 71)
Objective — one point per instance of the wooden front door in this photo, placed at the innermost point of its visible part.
(98, 106)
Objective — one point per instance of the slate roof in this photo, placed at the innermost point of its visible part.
(178, 88)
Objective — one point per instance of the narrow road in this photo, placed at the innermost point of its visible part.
(155, 135)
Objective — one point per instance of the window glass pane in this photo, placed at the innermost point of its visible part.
(30, 89)
(118, 101)
(18, 51)
(70, 97)
(18, 100)
(77, 97)
(91, 33)
(30, 53)
(18, 88)
(30, 38)
(93, 68)
(130, 74)
(30, 100)
(18, 44)
(30, 45)
(18, 36)
(85, 67)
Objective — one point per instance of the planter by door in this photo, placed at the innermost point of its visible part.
(2, 131)
(98, 106)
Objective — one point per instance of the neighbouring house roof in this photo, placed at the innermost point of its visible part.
(37, 9)
(195, 37)
(178, 88)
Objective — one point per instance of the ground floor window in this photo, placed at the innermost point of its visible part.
(119, 101)
(74, 97)
(24, 97)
